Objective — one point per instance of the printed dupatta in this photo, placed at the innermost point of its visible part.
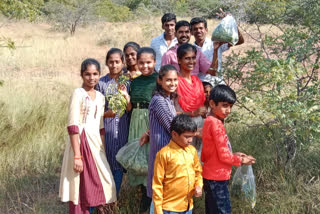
(191, 96)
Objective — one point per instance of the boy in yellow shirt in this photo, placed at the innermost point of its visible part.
(177, 171)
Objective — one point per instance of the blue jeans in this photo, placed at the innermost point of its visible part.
(168, 212)
(217, 199)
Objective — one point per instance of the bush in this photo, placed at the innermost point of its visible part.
(113, 12)
(21, 9)
(278, 85)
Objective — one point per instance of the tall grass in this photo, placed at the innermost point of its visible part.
(39, 77)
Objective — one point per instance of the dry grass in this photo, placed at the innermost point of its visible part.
(38, 79)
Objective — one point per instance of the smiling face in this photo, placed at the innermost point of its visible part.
(183, 34)
(114, 64)
(90, 77)
(146, 64)
(169, 82)
(184, 139)
(188, 61)
(199, 31)
(220, 110)
(131, 56)
(168, 27)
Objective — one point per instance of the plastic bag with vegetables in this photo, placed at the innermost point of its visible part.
(243, 185)
(226, 31)
(134, 157)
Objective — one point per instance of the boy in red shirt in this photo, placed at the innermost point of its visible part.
(217, 156)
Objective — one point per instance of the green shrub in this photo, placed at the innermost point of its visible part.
(113, 12)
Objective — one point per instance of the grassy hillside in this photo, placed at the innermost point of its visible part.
(39, 77)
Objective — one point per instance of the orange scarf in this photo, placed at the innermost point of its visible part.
(191, 96)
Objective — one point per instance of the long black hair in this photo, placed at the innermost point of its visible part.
(162, 72)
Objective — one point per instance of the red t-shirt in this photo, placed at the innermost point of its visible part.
(216, 155)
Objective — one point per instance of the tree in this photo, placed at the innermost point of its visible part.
(278, 83)
(70, 16)
(20, 9)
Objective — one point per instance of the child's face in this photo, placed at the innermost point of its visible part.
(169, 82)
(131, 56)
(207, 90)
(183, 139)
(90, 76)
(146, 64)
(115, 63)
(221, 110)
(188, 61)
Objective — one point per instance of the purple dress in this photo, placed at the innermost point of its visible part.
(117, 129)
(161, 113)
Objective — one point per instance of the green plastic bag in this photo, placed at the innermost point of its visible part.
(134, 157)
(226, 31)
(243, 185)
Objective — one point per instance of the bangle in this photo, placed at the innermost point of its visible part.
(147, 133)
(77, 157)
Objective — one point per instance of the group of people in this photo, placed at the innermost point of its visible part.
(174, 107)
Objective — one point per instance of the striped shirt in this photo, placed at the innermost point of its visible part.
(117, 129)
(161, 113)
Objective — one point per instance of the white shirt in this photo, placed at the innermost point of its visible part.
(207, 50)
(160, 46)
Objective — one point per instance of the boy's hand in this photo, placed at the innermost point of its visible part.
(253, 160)
(198, 192)
(240, 154)
(248, 160)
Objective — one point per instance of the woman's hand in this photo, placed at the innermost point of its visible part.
(109, 113)
(78, 165)
(123, 89)
(144, 139)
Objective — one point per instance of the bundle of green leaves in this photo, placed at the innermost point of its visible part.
(116, 101)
